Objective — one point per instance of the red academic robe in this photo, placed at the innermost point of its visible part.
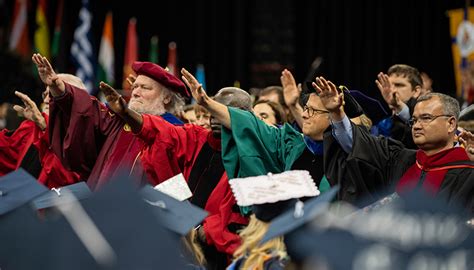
(53, 174)
(177, 148)
(13, 146)
(90, 139)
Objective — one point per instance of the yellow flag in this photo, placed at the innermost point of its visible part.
(462, 34)
(42, 30)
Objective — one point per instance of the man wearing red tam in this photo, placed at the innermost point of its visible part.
(89, 138)
(196, 152)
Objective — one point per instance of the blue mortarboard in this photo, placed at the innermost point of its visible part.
(112, 229)
(371, 106)
(18, 188)
(177, 216)
(300, 214)
(413, 230)
(54, 196)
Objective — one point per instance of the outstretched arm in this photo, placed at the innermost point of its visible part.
(118, 105)
(30, 111)
(217, 110)
(48, 76)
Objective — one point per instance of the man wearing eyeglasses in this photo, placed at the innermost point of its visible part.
(375, 163)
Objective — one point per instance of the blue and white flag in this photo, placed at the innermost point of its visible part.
(81, 49)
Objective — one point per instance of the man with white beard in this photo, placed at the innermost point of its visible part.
(89, 138)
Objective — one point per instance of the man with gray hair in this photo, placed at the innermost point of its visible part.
(89, 138)
(374, 163)
(196, 152)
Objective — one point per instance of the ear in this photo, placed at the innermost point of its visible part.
(167, 99)
(417, 92)
(452, 123)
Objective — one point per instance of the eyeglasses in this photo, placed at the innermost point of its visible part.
(425, 119)
(312, 112)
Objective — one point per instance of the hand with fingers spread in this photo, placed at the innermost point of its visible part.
(47, 75)
(466, 139)
(115, 101)
(389, 94)
(218, 111)
(30, 111)
(291, 92)
(330, 96)
(197, 91)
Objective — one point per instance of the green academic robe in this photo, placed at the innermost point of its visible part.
(252, 148)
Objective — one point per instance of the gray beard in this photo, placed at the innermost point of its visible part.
(156, 110)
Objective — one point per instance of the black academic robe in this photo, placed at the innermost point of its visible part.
(401, 131)
(377, 163)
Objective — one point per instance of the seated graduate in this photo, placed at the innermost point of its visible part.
(196, 152)
(374, 163)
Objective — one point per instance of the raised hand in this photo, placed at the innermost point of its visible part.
(197, 91)
(115, 101)
(389, 94)
(30, 111)
(47, 74)
(131, 79)
(332, 99)
(466, 139)
(291, 92)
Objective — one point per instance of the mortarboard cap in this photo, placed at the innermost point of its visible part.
(54, 196)
(299, 215)
(356, 103)
(113, 229)
(160, 75)
(271, 194)
(179, 217)
(415, 228)
(18, 188)
(371, 106)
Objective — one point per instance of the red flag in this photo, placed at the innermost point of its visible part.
(19, 40)
(172, 59)
(131, 51)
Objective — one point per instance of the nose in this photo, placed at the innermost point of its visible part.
(305, 114)
(136, 92)
(416, 125)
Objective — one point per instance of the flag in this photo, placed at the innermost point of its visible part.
(153, 55)
(172, 61)
(42, 30)
(106, 53)
(81, 48)
(131, 51)
(462, 34)
(19, 39)
(201, 76)
(57, 31)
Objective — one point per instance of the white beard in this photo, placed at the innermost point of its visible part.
(156, 108)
